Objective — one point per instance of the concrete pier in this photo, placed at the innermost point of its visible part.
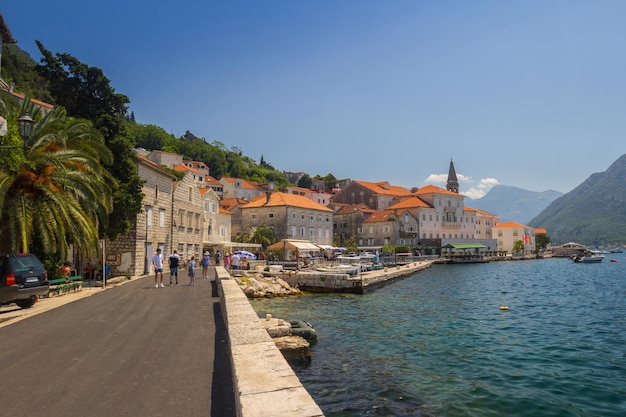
(316, 281)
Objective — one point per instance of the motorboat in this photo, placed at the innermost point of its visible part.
(588, 258)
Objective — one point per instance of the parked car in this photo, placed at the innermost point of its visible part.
(22, 279)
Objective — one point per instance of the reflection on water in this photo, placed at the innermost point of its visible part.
(437, 343)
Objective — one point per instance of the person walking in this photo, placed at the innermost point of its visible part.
(191, 271)
(157, 264)
(227, 260)
(217, 257)
(206, 261)
(234, 261)
(174, 259)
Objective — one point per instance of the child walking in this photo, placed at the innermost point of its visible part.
(191, 270)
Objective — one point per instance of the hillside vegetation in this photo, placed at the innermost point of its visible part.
(593, 213)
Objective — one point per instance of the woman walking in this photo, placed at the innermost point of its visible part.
(206, 261)
(191, 271)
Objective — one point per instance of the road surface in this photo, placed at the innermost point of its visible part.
(132, 350)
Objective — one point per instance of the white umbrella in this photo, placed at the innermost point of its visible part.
(246, 254)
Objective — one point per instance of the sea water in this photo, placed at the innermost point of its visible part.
(437, 343)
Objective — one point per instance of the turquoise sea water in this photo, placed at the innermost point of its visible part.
(437, 343)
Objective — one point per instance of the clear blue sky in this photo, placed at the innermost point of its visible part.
(529, 94)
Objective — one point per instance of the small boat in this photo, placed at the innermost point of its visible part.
(588, 259)
(613, 260)
(303, 329)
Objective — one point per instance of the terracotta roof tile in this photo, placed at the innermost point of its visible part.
(509, 225)
(411, 202)
(278, 199)
(384, 188)
(433, 189)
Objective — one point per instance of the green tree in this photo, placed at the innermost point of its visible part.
(262, 234)
(542, 241)
(58, 193)
(518, 246)
(86, 93)
(305, 181)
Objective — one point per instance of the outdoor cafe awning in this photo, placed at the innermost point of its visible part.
(463, 246)
(301, 245)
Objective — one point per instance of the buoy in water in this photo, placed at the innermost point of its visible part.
(504, 307)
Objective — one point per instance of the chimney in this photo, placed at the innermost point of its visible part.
(268, 197)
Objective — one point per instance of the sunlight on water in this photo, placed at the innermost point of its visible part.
(437, 343)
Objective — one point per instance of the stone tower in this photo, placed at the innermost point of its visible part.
(453, 182)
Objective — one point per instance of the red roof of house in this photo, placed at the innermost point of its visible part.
(278, 199)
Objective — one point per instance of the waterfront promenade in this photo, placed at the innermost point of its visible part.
(181, 350)
(129, 349)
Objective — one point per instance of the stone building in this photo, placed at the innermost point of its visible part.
(188, 221)
(507, 233)
(217, 230)
(388, 227)
(131, 253)
(167, 159)
(377, 196)
(243, 189)
(291, 217)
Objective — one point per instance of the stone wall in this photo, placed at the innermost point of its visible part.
(263, 381)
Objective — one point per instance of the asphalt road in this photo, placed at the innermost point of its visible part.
(132, 350)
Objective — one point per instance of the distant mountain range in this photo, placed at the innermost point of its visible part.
(594, 213)
(513, 204)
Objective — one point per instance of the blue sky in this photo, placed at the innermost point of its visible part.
(530, 94)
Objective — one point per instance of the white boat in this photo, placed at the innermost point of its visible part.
(588, 258)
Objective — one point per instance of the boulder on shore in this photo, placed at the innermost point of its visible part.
(294, 348)
(258, 286)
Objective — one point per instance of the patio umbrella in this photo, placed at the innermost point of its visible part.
(246, 254)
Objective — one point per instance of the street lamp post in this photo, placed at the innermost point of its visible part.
(25, 125)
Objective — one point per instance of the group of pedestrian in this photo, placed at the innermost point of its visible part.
(174, 263)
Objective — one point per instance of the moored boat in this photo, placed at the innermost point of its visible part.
(588, 258)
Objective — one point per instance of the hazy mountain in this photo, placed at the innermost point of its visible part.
(514, 204)
(594, 213)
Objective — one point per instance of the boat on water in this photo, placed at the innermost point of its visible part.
(588, 258)
(303, 329)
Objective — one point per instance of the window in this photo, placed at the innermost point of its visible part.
(156, 191)
(270, 215)
(302, 232)
(190, 193)
(253, 216)
(161, 218)
(148, 216)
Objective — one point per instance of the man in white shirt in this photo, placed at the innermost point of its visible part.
(157, 264)
(234, 261)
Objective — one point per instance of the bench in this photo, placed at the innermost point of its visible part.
(64, 285)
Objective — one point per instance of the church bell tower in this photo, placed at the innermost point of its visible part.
(453, 182)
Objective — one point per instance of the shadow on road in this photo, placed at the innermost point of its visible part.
(222, 395)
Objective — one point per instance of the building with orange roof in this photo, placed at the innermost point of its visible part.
(388, 227)
(319, 196)
(214, 184)
(508, 233)
(375, 195)
(291, 217)
(348, 219)
(441, 217)
(244, 189)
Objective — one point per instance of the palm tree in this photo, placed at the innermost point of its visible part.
(57, 192)
(262, 234)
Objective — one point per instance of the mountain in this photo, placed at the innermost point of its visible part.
(514, 204)
(594, 213)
